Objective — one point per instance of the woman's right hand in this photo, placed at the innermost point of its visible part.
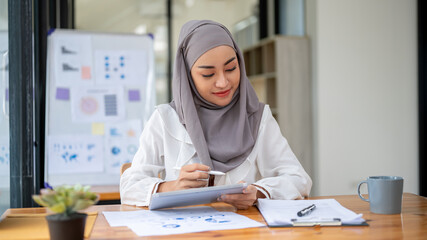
(191, 176)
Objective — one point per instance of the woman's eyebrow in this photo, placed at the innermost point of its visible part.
(206, 66)
(229, 60)
(209, 67)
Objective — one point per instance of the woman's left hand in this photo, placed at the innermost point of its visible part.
(241, 200)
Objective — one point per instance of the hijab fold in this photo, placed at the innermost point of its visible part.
(222, 136)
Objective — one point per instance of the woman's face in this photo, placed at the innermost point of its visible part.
(216, 75)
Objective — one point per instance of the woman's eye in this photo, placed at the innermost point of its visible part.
(207, 75)
(231, 69)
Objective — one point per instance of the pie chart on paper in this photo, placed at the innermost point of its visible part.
(89, 105)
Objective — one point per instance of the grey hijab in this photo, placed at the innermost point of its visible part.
(222, 136)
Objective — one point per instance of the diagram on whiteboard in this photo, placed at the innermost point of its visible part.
(114, 67)
(97, 104)
(73, 67)
(71, 154)
(4, 156)
(89, 105)
(121, 67)
(121, 143)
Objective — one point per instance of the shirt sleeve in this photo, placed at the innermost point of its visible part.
(282, 175)
(139, 181)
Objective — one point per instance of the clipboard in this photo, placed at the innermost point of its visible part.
(328, 213)
(193, 196)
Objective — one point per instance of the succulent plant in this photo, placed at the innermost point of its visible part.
(66, 200)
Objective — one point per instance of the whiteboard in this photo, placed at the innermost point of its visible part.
(100, 92)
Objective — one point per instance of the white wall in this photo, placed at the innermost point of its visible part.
(365, 92)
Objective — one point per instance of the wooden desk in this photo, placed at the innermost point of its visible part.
(411, 224)
(107, 192)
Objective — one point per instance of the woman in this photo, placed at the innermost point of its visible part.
(215, 122)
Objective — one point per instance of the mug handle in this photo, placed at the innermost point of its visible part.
(358, 191)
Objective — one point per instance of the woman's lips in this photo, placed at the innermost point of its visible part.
(223, 93)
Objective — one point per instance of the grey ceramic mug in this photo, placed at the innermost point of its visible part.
(385, 194)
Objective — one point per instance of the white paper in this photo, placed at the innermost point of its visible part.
(72, 60)
(177, 221)
(97, 104)
(121, 143)
(121, 67)
(281, 212)
(75, 154)
(4, 156)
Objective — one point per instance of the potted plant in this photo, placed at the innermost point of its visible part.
(66, 201)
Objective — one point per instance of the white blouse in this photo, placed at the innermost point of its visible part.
(165, 144)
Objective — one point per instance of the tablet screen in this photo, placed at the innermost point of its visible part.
(193, 196)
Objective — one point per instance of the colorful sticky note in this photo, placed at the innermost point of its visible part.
(63, 94)
(86, 72)
(134, 95)
(98, 129)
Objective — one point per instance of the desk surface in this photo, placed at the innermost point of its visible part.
(411, 224)
(107, 192)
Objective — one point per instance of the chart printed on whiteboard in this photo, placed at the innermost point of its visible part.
(97, 104)
(4, 156)
(73, 61)
(75, 154)
(121, 143)
(121, 67)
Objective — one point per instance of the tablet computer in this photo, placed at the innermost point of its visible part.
(193, 196)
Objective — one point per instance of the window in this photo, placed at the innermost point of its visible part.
(4, 110)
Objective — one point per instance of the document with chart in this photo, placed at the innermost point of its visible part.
(178, 220)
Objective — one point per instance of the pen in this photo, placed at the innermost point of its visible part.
(306, 210)
(209, 172)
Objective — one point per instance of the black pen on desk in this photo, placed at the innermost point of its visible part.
(306, 210)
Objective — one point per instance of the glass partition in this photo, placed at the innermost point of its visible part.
(4, 110)
(111, 38)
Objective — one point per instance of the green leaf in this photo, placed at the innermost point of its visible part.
(86, 188)
(49, 198)
(40, 201)
(58, 208)
(71, 199)
(82, 204)
(77, 187)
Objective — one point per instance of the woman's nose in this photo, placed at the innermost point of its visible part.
(221, 82)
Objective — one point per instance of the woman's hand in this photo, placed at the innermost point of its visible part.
(191, 176)
(243, 200)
